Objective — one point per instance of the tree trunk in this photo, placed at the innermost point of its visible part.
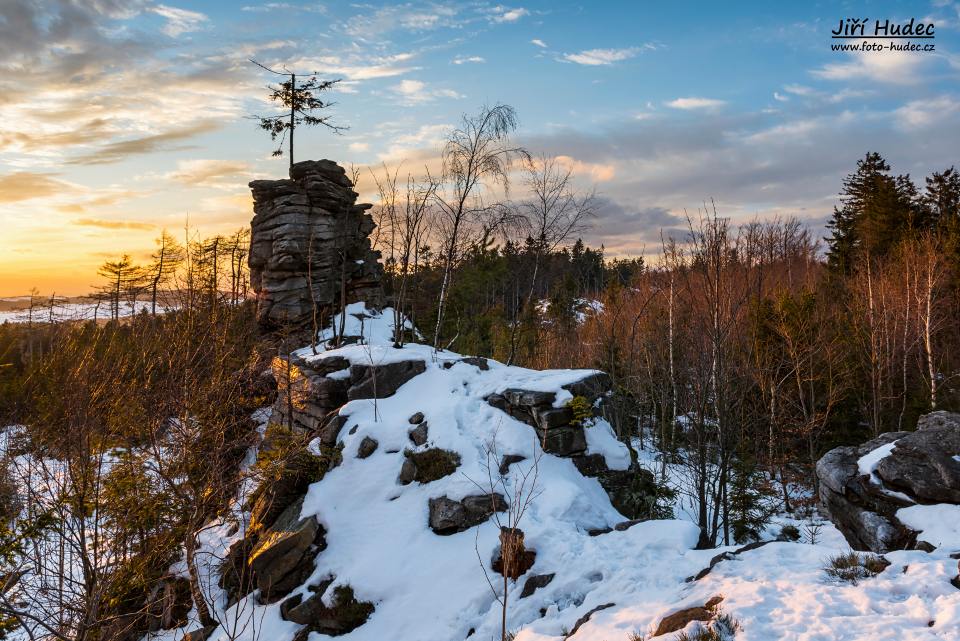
(196, 591)
(293, 111)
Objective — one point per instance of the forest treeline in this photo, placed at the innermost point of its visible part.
(740, 353)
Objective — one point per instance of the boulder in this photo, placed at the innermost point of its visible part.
(416, 419)
(922, 467)
(678, 620)
(201, 634)
(507, 460)
(306, 394)
(923, 464)
(564, 440)
(344, 614)
(586, 617)
(534, 582)
(448, 516)
(381, 381)
(557, 430)
(408, 472)
(367, 447)
(591, 387)
(235, 576)
(280, 557)
(428, 466)
(590, 464)
(477, 361)
(633, 492)
(331, 430)
(297, 471)
(307, 232)
(418, 435)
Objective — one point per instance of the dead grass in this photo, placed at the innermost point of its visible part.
(853, 567)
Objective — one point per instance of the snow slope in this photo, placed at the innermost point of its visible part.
(432, 588)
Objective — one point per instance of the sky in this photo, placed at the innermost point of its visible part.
(121, 118)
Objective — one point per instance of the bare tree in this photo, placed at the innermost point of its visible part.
(519, 490)
(477, 155)
(554, 212)
(164, 263)
(403, 221)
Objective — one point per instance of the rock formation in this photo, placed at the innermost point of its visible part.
(862, 495)
(307, 235)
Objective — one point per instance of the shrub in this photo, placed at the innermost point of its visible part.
(722, 628)
(789, 533)
(346, 610)
(582, 411)
(853, 567)
(434, 463)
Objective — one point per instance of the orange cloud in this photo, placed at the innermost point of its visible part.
(117, 151)
(113, 224)
(25, 185)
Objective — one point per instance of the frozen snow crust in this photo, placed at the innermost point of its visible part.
(427, 587)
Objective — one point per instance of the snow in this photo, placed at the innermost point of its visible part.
(868, 463)
(583, 309)
(75, 311)
(938, 524)
(427, 587)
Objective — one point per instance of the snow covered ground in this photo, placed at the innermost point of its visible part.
(73, 312)
(432, 588)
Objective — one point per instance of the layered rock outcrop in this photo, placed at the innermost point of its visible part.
(559, 431)
(307, 235)
(863, 487)
(310, 391)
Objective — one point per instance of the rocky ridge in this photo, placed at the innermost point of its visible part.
(864, 489)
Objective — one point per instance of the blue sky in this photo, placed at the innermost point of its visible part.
(122, 117)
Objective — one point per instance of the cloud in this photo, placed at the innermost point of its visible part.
(116, 151)
(779, 97)
(113, 224)
(25, 185)
(401, 17)
(209, 173)
(359, 146)
(691, 103)
(284, 6)
(422, 143)
(415, 92)
(598, 172)
(877, 67)
(502, 14)
(631, 230)
(460, 61)
(799, 90)
(596, 57)
(95, 80)
(918, 114)
(359, 67)
(179, 21)
(540, 43)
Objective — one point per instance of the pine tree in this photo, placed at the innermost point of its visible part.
(942, 198)
(749, 498)
(877, 211)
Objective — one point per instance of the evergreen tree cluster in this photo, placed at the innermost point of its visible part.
(878, 210)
